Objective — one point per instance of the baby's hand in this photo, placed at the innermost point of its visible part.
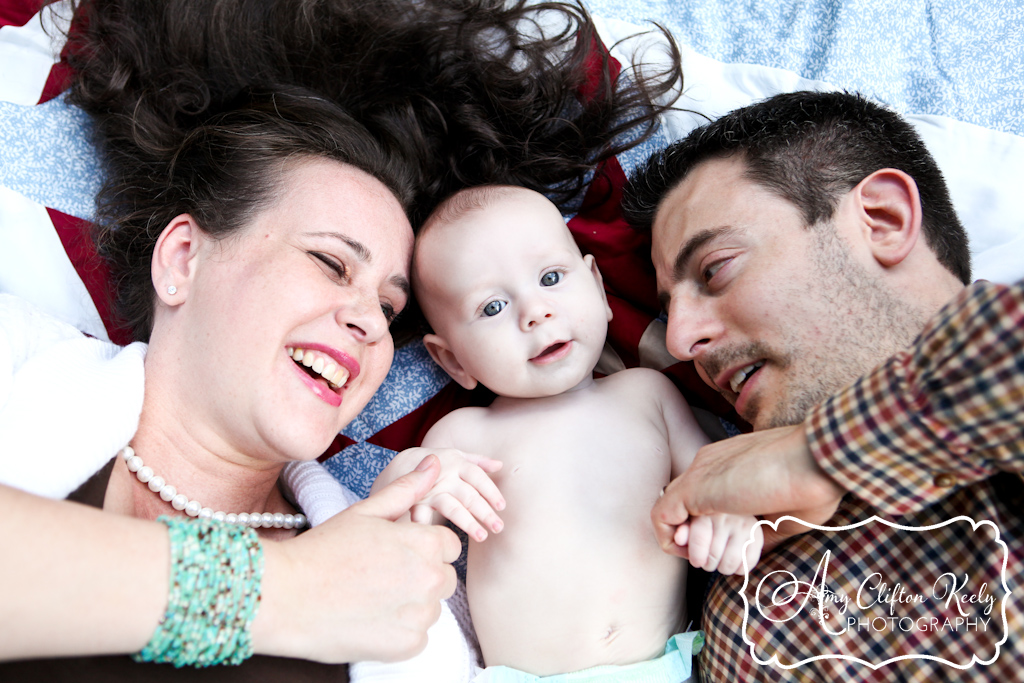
(463, 493)
(716, 542)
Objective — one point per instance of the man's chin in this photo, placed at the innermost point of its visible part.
(788, 415)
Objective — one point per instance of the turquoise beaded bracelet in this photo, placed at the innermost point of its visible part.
(216, 571)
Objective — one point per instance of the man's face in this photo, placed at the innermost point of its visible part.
(777, 316)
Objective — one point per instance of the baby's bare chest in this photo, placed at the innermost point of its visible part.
(594, 461)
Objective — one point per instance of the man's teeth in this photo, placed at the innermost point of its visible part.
(741, 376)
(321, 365)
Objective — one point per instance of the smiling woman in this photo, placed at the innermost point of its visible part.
(276, 244)
(322, 268)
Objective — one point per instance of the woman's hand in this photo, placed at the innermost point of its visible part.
(359, 586)
(463, 492)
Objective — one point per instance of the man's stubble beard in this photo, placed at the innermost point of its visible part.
(867, 323)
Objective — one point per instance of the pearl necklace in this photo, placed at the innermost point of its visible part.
(193, 508)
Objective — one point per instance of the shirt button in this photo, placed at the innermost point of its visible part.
(944, 480)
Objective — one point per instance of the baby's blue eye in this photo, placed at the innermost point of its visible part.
(549, 279)
(494, 308)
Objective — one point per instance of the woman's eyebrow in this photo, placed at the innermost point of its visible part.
(362, 253)
(402, 283)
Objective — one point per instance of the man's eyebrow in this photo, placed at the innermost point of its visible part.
(686, 252)
(361, 252)
(682, 261)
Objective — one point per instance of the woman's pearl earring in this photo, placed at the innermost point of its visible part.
(172, 290)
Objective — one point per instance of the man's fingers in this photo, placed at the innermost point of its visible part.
(790, 528)
(398, 497)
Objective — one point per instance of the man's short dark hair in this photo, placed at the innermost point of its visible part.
(810, 148)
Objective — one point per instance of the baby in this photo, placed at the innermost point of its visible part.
(576, 579)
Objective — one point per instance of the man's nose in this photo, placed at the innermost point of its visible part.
(691, 329)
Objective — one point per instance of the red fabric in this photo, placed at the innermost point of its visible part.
(75, 235)
(18, 12)
(57, 82)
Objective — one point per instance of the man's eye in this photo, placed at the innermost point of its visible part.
(549, 279)
(494, 308)
(334, 264)
(710, 271)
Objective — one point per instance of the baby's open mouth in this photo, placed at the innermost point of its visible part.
(550, 350)
(320, 367)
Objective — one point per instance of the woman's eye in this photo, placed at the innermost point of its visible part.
(494, 308)
(390, 314)
(549, 279)
(334, 264)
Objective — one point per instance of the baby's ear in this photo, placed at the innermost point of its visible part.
(442, 354)
(595, 271)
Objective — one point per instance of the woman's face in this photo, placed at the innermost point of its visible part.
(317, 276)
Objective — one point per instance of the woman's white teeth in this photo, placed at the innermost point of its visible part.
(741, 376)
(328, 369)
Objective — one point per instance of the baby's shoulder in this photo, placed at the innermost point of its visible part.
(640, 380)
(456, 428)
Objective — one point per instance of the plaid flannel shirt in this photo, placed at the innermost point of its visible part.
(935, 433)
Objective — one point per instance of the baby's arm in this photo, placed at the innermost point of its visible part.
(463, 493)
(716, 542)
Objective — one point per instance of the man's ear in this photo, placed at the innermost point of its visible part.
(595, 271)
(890, 208)
(173, 265)
(442, 354)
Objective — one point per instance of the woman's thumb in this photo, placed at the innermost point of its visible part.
(398, 497)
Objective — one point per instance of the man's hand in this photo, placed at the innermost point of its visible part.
(728, 544)
(769, 473)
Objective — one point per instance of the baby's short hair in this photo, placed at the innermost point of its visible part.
(467, 201)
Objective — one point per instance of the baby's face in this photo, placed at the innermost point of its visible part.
(506, 287)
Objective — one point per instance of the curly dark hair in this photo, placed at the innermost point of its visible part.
(810, 148)
(223, 172)
(465, 92)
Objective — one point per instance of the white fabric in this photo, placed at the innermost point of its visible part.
(68, 403)
(448, 658)
(28, 52)
(35, 267)
(315, 491)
